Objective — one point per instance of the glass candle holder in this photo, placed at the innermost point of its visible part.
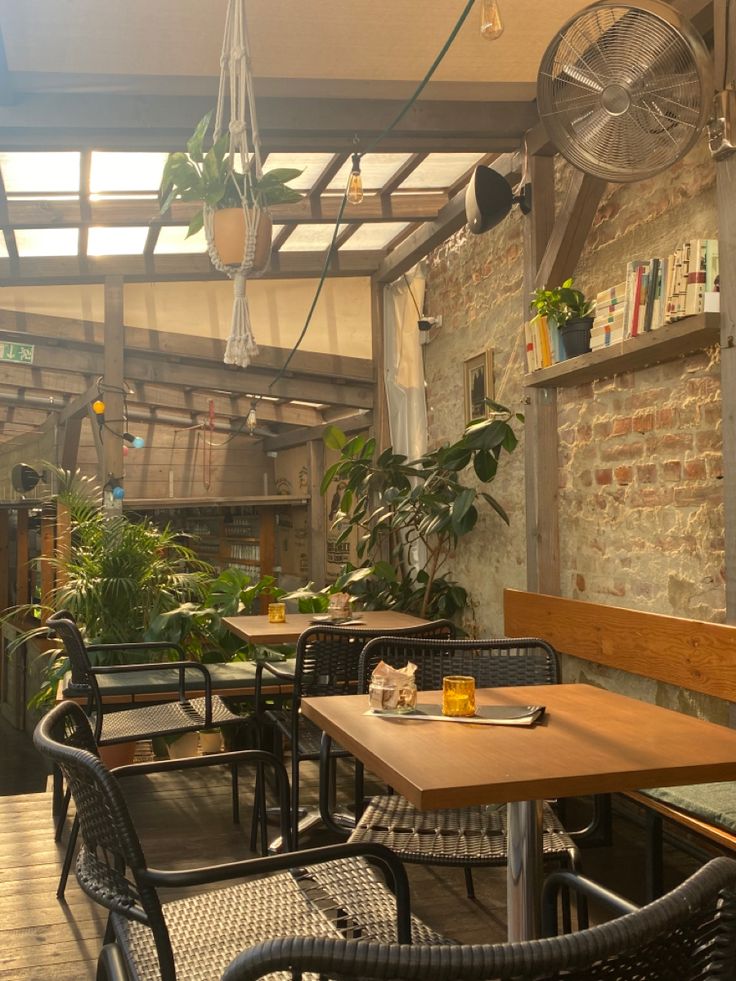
(277, 612)
(458, 696)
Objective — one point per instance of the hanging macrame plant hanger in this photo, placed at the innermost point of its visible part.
(236, 88)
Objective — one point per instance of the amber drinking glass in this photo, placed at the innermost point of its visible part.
(458, 696)
(277, 612)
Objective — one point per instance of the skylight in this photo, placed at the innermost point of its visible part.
(309, 238)
(374, 235)
(311, 163)
(112, 172)
(375, 169)
(116, 241)
(46, 241)
(36, 173)
(172, 240)
(441, 170)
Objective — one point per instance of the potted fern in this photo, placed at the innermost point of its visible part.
(210, 178)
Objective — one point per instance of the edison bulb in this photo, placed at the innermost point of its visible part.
(491, 25)
(251, 420)
(355, 183)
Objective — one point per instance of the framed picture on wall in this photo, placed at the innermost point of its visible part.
(478, 385)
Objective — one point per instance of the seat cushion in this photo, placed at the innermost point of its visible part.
(451, 836)
(209, 929)
(711, 802)
(157, 720)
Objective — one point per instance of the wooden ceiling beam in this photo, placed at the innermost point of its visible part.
(297, 437)
(155, 122)
(43, 328)
(61, 270)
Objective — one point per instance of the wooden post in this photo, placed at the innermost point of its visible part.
(725, 54)
(317, 522)
(63, 540)
(267, 547)
(540, 430)
(113, 380)
(4, 559)
(48, 529)
(22, 592)
(380, 405)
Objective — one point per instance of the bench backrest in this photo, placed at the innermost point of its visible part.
(692, 654)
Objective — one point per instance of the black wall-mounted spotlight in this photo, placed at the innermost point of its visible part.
(489, 198)
(25, 478)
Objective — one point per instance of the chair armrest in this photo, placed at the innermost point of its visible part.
(297, 860)
(180, 666)
(258, 684)
(153, 645)
(583, 887)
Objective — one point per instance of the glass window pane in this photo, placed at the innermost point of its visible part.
(172, 240)
(116, 241)
(311, 163)
(309, 238)
(440, 170)
(40, 172)
(375, 169)
(47, 241)
(3, 248)
(374, 235)
(125, 171)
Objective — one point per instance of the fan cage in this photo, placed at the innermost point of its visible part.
(624, 91)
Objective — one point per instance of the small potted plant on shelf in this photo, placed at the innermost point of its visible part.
(568, 310)
(209, 177)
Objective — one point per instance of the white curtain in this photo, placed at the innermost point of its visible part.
(404, 370)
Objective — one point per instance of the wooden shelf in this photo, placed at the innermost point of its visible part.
(655, 347)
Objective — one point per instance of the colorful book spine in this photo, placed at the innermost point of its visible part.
(696, 276)
(652, 278)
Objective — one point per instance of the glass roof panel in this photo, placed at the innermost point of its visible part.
(440, 170)
(3, 248)
(310, 238)
(172, 240)
(375, 169)
(374, 235)
(54, 173)
(311, 163)
(47, 241)
(125, 171)
(116, 241)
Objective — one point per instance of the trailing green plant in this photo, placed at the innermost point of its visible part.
(403, 508)
(561, 303)
(210, 178)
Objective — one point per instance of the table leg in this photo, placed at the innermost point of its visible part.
(524, 870)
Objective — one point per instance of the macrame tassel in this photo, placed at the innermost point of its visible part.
(241, 346)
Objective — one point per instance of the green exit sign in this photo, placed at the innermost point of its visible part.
(22, 353)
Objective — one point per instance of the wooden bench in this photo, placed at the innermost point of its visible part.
(690, 654)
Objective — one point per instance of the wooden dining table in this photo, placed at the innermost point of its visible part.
(259, 630)
(589, 741)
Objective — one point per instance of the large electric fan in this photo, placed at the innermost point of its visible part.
(625, 89)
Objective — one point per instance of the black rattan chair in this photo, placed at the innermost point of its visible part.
(143, 721)
(327, 663)
(328, 892)
(687, 935)
(468, 836)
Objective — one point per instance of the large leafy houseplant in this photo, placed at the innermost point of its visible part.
(208, 177)
(404, 508)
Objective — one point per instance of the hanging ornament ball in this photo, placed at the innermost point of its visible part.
(98, 407)
(118, 493)
(139, 442)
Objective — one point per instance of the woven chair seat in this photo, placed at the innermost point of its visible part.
(208, 930)
(452, 836)
(156, 720)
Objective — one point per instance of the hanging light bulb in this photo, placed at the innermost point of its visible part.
(98, 407)
(355, 184)
(138, 442)
(251, 420)
(491, 25)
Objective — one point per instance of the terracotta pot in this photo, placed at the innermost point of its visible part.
(229, 233)
(117, 754)
(184, 745)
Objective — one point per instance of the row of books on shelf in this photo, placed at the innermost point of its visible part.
(658, 291)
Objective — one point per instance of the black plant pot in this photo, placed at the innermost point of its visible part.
(575, 336)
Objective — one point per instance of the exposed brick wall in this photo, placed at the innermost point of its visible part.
(641, 519)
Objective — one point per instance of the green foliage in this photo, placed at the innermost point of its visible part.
(561, 304)
(209, 177)
(397, 504)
